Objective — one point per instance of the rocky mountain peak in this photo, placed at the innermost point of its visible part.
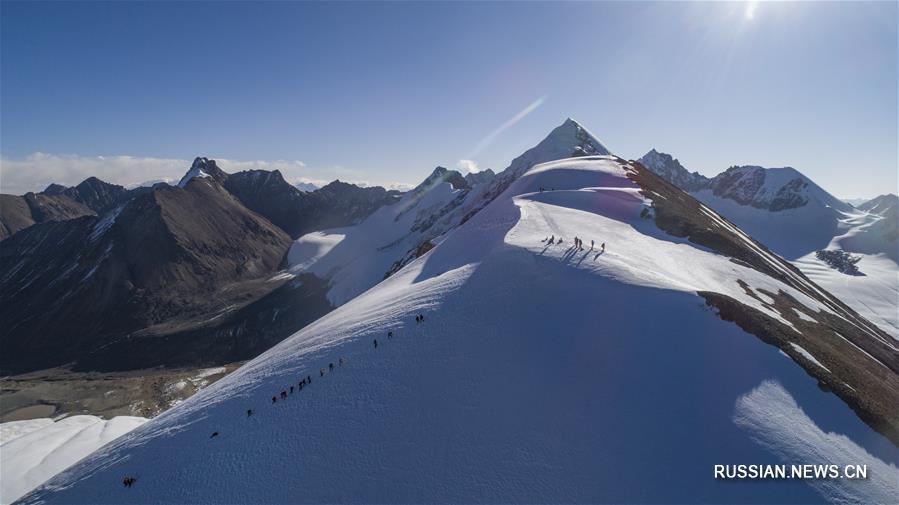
(480, 177)
(670, 169)
(203, 167)
(54, 189)
(442, 174)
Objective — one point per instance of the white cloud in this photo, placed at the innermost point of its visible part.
(36, 171)
(467, 166)
(399, 186)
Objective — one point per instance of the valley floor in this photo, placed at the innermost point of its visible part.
(58, 392)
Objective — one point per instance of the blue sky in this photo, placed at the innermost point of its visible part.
(383, 92)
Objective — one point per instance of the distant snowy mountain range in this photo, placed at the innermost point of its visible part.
(307, 187)
(795, 217)
(540, 371)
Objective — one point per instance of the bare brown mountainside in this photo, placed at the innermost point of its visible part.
(169, 258)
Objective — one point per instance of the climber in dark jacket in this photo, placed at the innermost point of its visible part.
(376, 343)
(291, 389)
(283, 395)
(249, 412)
(330, 367)
(274, 399)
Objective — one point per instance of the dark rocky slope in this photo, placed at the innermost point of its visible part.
(15, 215)
(59, 203)
(165, 262)
(298, 212)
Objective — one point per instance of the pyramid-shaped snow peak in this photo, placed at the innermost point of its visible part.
(567, 140)
(540, 371)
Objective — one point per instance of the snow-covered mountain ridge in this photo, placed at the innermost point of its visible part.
(883, 205)
(796, 218)
(541, 372)
(353, 259)
(773, 189)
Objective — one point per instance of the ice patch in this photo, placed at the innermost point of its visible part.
(210, 371)
(802, 315)
(808, 355)
(774, 420)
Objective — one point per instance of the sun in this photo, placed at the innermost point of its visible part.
(749, 13)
